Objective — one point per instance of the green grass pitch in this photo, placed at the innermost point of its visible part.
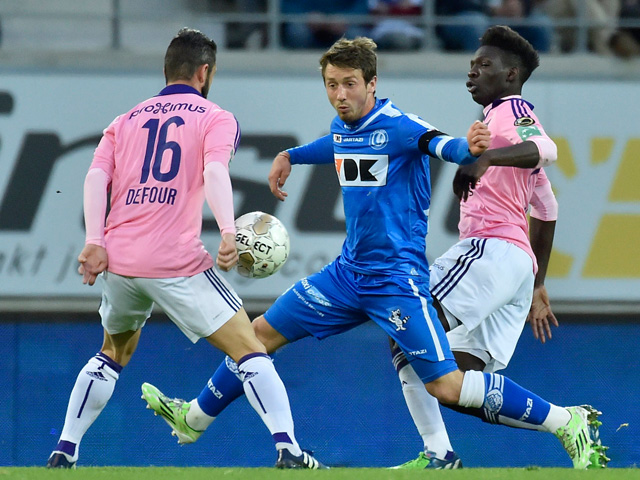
(196, 473)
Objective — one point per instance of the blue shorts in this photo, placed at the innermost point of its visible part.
(337, 299)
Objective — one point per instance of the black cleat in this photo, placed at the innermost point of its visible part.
(60, 460)
(287, 460)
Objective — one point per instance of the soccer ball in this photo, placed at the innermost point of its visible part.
(263, 244)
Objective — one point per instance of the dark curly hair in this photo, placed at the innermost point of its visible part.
(188, 50)
(518, 49)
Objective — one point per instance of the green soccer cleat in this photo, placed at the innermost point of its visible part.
(581, 438)
(429, 460)
(173, 411)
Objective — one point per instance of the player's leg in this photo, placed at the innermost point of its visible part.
(123, 313)
(498, 395)
(206, 306)
(226, 383)
(425, 412)
(424, 343)
(398, 308)
(284, 322)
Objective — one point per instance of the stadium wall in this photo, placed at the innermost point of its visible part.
(345, 395)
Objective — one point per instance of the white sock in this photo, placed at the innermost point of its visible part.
(472, 392)
(91, 392)
(425, 412)
(268, 397)
(196, 418)
(558, 417)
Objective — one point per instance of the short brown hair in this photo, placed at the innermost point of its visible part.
(359, 53)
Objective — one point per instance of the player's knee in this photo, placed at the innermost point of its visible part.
(447, 388)
(268, 336)
(467, 361)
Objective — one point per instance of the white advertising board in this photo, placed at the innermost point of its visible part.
(50, 124)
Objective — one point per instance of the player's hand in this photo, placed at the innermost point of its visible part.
(280, 171)
(478, 137)
(227, 252)
(93, 261)
(467, 176)
(540, 315)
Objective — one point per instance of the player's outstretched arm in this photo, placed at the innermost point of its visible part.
(521, 155)
(280, 171)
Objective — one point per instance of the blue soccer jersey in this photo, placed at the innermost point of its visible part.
(383, 171)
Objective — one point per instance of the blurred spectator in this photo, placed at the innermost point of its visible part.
(398, 33)
(603, 39)
(248, 35)
(474, 20)
(539, 35)
(477, 15)
(319, 31)
(626, 42)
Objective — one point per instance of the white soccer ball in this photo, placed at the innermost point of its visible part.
(263, 244)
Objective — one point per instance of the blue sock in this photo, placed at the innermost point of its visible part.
(222, 389)
(506, 398)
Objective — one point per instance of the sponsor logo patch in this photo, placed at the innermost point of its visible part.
(524, 122)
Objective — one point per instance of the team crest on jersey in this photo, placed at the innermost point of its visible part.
(337, 138)
(378, 139)
(398, 320)
(524, 122)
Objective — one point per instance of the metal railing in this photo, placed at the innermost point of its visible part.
(114, 15)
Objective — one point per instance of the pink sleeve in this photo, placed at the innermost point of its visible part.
(222, 138)
(544, 205)
(219, 195)
(104, 157)
(547, 148)
(96, 184)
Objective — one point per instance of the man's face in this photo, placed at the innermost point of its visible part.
(348, 93)
(489, 78)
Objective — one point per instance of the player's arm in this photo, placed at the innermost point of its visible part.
(93, 258)
(542, 223)
(317, 152)
(220, 144)
(456, 150)
(532, 148)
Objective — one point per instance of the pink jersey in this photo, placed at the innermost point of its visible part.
(155, 156)
(499, 204)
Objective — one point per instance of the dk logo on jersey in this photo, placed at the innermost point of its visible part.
(355, 170)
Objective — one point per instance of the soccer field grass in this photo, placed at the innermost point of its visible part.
(194, 473)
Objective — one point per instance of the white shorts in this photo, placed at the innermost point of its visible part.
(198, 305)
(486, 284)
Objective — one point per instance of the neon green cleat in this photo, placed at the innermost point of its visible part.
(581, 438)
(173, 411)
(429, 460)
